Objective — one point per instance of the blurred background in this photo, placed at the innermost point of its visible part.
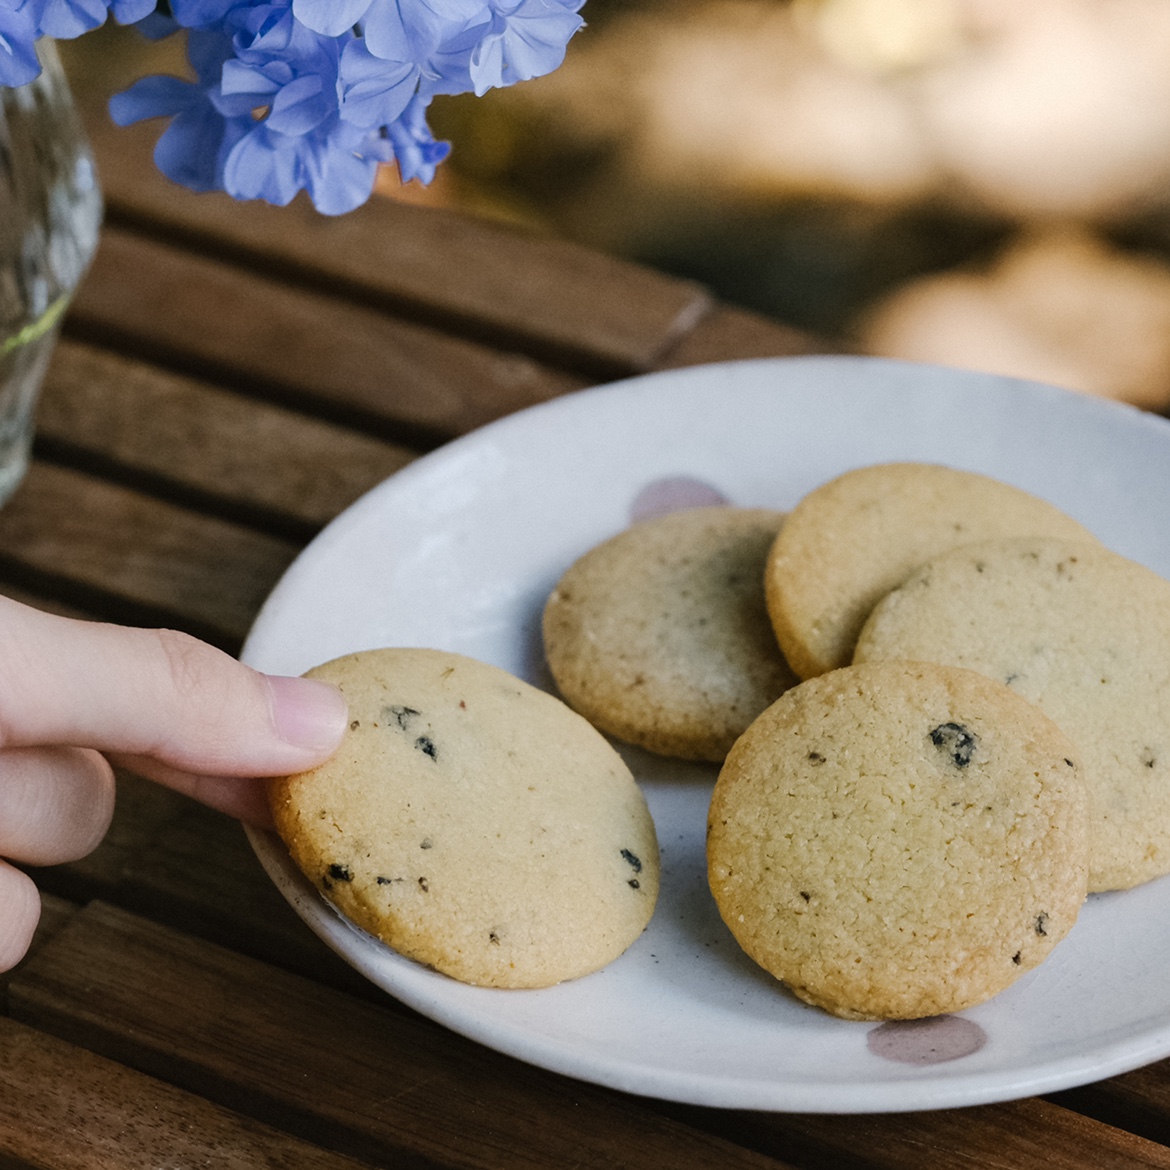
(980, 183)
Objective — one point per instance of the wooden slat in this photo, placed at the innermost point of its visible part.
(248, 458)
(62, 1108)
(1138, 1101)
(730, 334)
(217, 320)
(143, 559)
(392, 1088)
(197, 872)
(1016, 1135)
(185, 865)
(549, 297)
(142, 810)
(55, 912)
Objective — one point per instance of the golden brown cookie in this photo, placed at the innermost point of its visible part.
(473, 822)
(852, 540)
(660, 636)
(898, 840)
(1083, 633)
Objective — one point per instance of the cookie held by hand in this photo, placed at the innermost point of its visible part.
(473, 822)
(899, 840)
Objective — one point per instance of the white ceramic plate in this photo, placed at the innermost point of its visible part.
(459, 550)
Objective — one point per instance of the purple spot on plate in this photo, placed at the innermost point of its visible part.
(932, 1041)
(675, 494)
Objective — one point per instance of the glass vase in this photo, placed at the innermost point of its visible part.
(50, 214)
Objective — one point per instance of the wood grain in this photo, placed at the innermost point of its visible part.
(389, 1087)
(1137, 1101)
(1019, 1135)
(62, 1108)
(204, 445)
(134, 558)
(728, 334)
(540, 295)
(248, 330)
(142, 811)
(197, 872)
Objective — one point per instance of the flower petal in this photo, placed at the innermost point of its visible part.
(374, 91)
(153, 97)
(330, 17)
(301, 106)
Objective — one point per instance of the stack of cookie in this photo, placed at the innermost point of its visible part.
(941, 709)
(977, 740)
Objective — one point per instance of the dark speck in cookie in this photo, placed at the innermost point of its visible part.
(401, 716)
(957, 741)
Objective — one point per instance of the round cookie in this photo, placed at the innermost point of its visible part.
(849, 542)
(898, 840)
(473, 822)
(1084, 634)
(660, 636)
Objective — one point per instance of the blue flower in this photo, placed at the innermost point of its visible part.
(330, 17)
(414, 30)
(18, 34)
(23, 22)
(337, 165)
(204, 14)
(70, 18)
(527, 39)
(193, 148)
(415, 148)
(313, 95)
(374, 92)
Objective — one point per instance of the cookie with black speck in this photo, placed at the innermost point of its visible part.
(1085, 634)
(473, 822)
(850, 541)
(660, 636)
(899, 839)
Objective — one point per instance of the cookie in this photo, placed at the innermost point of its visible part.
(897, 840)
(852, 540)
(660, 636)
(473, 822)
(1084, 634)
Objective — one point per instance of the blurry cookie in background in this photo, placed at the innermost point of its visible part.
(1062, 307)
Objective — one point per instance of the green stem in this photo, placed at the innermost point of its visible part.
(35, 330)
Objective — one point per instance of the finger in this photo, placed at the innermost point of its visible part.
(243, 798)
(156, 693)
(55, 804)
(20, 911)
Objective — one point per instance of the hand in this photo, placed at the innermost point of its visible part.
(76, 696)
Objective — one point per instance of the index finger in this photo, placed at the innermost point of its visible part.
(156, 693)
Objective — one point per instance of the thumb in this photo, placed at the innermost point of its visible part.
(156, 694)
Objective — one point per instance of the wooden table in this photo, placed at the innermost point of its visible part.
(233, 376)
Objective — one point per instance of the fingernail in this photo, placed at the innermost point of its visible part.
(306, 713)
